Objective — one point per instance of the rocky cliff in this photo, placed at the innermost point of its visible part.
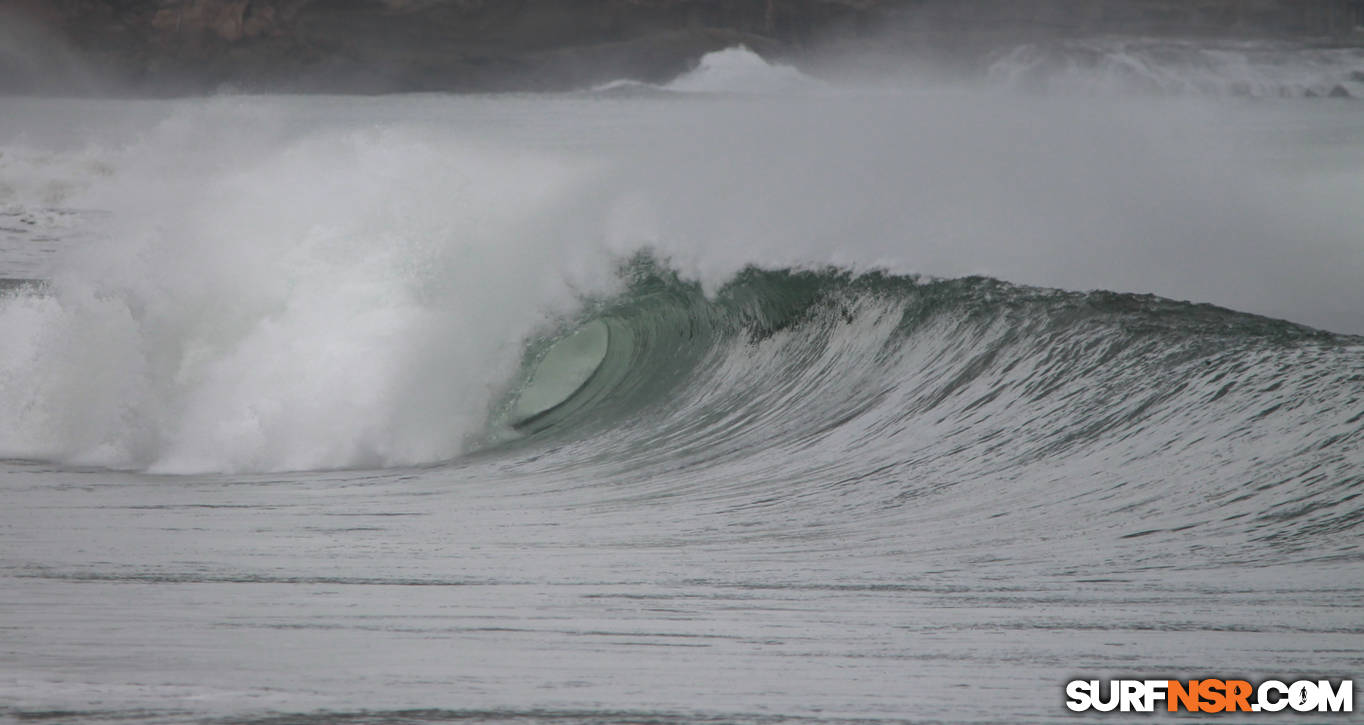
(376, 45)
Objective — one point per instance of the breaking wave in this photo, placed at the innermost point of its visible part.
(888, 389)
(372, 293)
(1111, 66)
(1102, 66)
(735, 70)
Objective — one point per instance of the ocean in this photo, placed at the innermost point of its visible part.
(754, 397)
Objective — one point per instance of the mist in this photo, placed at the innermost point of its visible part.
(35, 60)
(226, 253)
(1184, 198)
(675, 362)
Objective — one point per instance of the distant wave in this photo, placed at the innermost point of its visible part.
(740, 70)
(732, 70)
(1091, 66)
(1172, 67)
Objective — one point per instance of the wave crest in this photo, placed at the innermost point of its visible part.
(880, 390)
(1170, 67)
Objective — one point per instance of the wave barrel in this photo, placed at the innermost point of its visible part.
(565, 369)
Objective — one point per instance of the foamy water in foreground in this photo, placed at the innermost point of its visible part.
(889, 425)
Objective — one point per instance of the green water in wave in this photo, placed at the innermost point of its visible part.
(662, 334)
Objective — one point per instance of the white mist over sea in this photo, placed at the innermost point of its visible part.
(880, 418)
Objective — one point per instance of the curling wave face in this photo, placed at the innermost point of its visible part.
(692, 407)
(350, 283)
(882, 391)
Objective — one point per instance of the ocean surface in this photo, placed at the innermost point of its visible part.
(754, 397)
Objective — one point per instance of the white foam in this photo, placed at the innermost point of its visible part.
(288, 283)
(740, 70)
(344, 298)
(1120, 66)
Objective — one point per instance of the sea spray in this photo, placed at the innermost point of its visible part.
(352, 282)
(342, 302)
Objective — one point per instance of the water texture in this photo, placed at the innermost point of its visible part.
(888, 403)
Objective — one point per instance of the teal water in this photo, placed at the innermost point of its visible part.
(913, 403)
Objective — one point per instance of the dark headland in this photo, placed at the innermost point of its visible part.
(189, 46)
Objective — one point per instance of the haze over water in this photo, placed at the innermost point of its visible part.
(920, 399)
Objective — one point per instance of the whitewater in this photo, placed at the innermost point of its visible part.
(752, 397)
